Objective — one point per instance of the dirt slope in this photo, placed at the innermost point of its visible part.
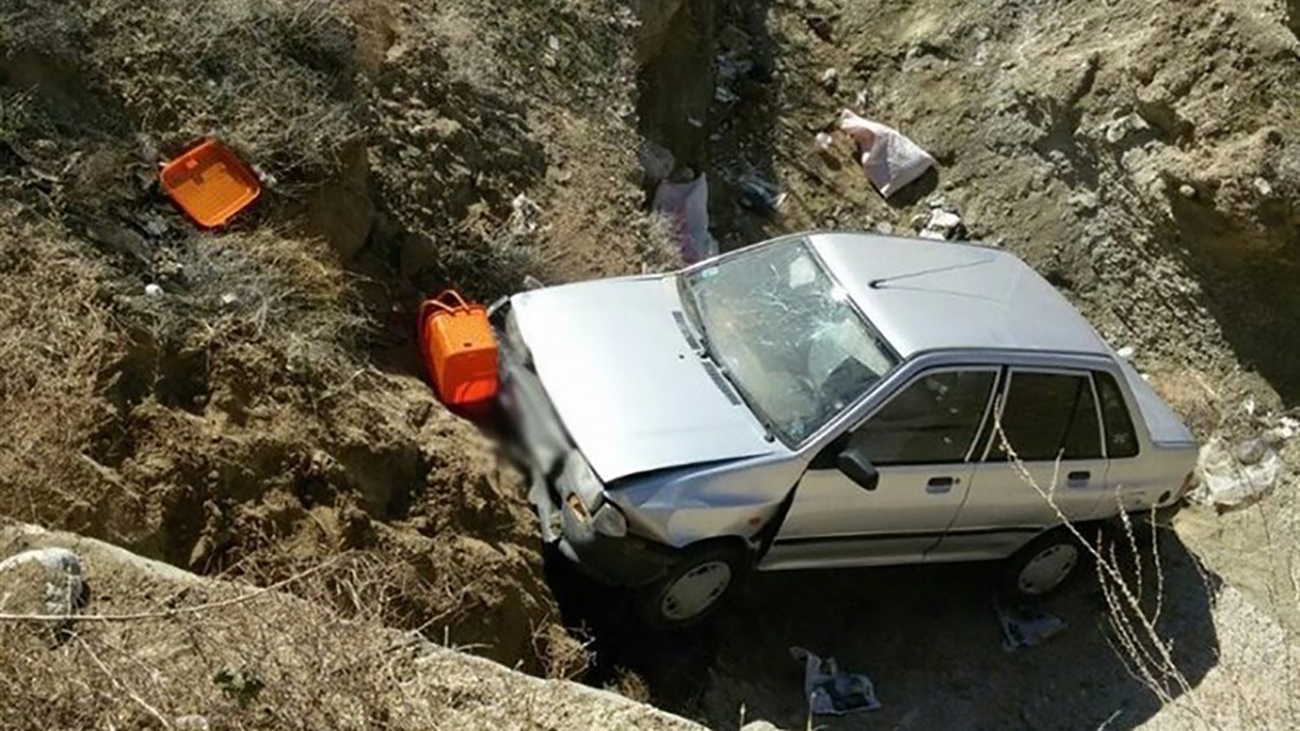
(259, 660)
(263, 408)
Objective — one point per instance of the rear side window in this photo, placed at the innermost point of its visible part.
(932, 421)
(1121, 439)
(1049, 415)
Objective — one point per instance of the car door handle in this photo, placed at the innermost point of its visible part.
(940, 485)
(1079, 476)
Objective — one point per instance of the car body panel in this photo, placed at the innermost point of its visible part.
(625, 382)
(937, 295)
(627, 390)
(834, 522)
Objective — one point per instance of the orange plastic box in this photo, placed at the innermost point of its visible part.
(460, 352)
(210, 183)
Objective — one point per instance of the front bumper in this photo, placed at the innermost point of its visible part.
(542, 446)
(625, 561)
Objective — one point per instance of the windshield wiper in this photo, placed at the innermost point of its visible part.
(692, 308)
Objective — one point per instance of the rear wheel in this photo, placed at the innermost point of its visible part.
(1044, 565)
(694, 588)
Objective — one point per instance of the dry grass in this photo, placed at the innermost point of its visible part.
(1253, 669)
(268, 76)
(58, 337)
(157, 649)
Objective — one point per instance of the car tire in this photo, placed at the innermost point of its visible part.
(1044, 565)
(694, 588)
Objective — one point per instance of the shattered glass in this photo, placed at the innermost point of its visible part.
(786, 335)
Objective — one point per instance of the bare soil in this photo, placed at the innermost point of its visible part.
(267, 410)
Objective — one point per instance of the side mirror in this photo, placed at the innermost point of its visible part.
(855, 465)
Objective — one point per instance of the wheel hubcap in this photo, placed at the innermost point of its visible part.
(696, 590)
(1048, 569)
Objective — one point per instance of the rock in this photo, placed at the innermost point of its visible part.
(944, 225)
(1127, 352)
(60, 571)
(193, 722)
(153, 290)
(759, 726)
(657, 161)
(1084, 201)
(1263, 187)
(830, 79)
(885, 227)
(1187, 191)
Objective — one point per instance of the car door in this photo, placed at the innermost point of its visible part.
(1053, 437)
(921, 443)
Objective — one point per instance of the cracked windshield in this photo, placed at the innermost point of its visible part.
(786, 336)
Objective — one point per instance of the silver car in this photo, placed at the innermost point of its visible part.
(825, 400)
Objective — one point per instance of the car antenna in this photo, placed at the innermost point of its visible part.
(877, 283)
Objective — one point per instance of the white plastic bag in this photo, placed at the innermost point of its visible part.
(687, 205)
(890, 159)
(1226, 480)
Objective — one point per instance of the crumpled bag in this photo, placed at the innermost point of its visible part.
(1228, 479)
(687, 206)
(831, 691)
(890, 159)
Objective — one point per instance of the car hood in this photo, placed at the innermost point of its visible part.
(629, 388)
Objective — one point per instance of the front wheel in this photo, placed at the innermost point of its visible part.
(1044, 565)
(694, 588)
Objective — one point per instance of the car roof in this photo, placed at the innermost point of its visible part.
(935, 295)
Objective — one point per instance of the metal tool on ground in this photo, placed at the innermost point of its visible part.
(460, 353)
(210, 183)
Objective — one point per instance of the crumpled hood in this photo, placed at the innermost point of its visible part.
(631, 392)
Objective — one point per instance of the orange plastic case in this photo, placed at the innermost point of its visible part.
(210, 183)
(460, 352)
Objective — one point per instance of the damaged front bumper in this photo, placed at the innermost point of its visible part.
(618, 561)
(542, 448)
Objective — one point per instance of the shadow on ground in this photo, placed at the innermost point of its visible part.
(926, 635)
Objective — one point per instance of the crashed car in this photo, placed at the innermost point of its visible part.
(825, 400)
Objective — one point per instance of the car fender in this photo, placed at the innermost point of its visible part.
(682, 506)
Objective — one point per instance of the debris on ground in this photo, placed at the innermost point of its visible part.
(759, 194)
(460, 352)
(1229, 476)
(657, 161)
(210, 183)
(525, 216)
(687, 207)
(1026, 624)
(890, 159)
(943, 222)
(831, 691)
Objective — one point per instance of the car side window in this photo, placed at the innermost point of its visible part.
(933, 420)
(1049, 415)
(1121, 439)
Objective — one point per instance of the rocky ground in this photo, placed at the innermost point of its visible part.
(263, 410)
